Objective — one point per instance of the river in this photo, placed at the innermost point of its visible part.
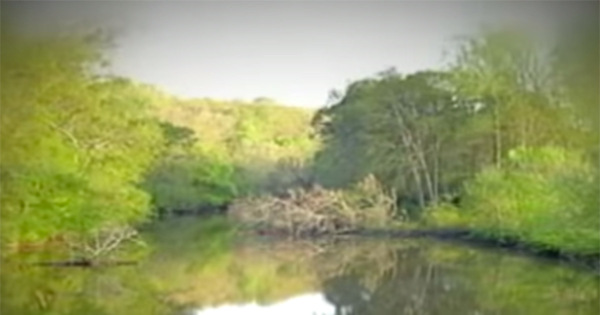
(202, 267)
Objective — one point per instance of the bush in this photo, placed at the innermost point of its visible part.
(544, 196)
(190, 182)
(444, 215)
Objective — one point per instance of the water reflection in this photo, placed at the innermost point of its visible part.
(207, 269)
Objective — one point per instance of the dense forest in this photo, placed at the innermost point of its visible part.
(503, 141)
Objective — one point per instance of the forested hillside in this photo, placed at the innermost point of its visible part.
(218, 150)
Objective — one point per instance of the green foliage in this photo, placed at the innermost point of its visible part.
(542, 196)
(76, 146)
(503, 141)
(73, 145)
(392, 127)
(576, 70)
(217, 150)
(189, 182)
(287, 174)
(444, 215)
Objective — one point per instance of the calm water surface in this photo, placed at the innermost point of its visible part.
(199, 267)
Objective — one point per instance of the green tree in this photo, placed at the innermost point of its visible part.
(74, 145)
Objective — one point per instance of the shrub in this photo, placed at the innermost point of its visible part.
(190, 182)
(545, 196)
(444, 215)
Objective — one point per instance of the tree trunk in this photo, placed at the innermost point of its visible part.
(418, 158)
(421, 194)
(418, 148)
(497, 138)
(436, 172)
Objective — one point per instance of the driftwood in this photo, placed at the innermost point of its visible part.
(86, 263)
(102, 242)
(87, 251)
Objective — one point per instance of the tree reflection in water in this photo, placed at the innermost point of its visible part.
(433, 278)
(192, 266)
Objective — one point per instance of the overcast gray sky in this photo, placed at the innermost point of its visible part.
(291, 51)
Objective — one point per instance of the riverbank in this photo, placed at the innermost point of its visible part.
(473, 238)
(462, 236)
(320, 212)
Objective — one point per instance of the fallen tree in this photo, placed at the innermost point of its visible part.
(102, 242)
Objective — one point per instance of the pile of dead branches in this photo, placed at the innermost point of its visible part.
(315, 211)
